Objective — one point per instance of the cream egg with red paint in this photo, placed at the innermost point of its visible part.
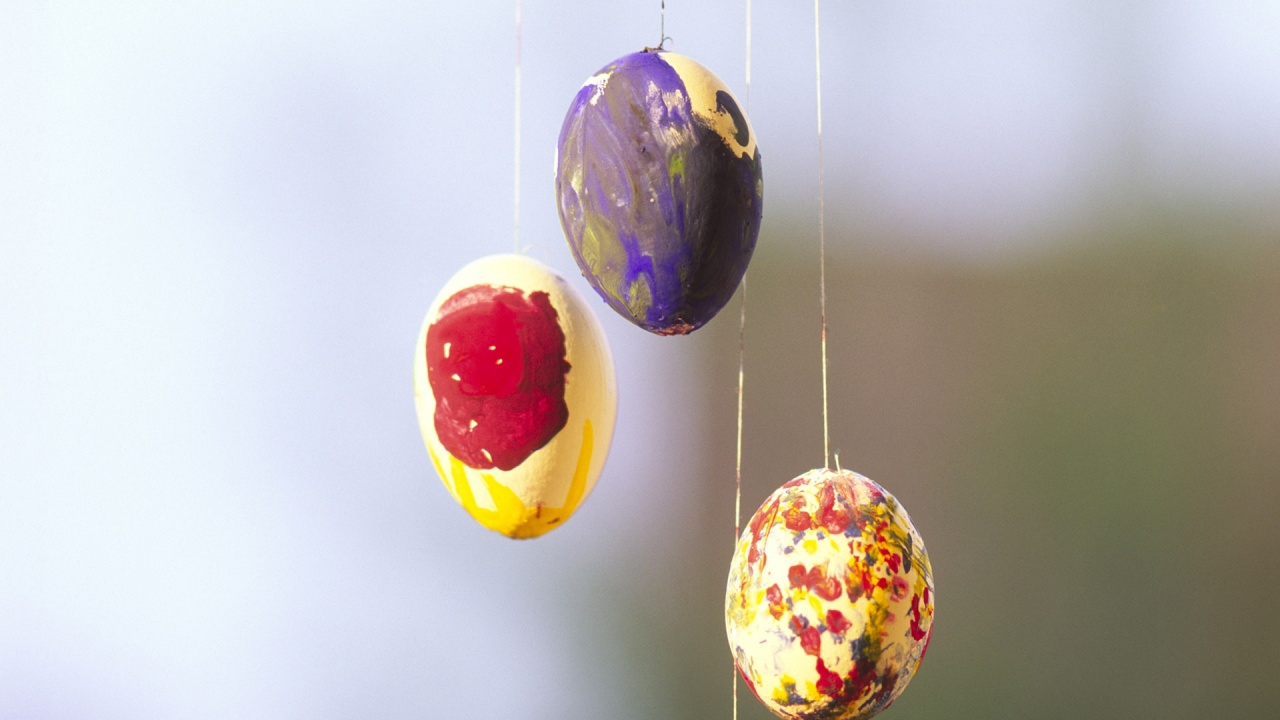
(516, 394)
(829, 604)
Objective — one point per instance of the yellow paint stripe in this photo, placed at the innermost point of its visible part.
(579, 485)
(542, 520)
(509, 513)
(510, 516)
(461, 485)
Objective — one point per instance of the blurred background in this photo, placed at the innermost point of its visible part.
(1053, 296)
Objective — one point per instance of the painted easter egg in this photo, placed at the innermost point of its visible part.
(829, 606)
(516, 394)
(659, 188)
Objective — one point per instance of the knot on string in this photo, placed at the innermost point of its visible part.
(660, 47)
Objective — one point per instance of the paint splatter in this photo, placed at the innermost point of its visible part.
(838, 635)
(510, 515)
(496, 364)
(836, 622)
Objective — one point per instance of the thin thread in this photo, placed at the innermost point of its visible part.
(822, 241)
(737, 495)
(742, 353)
(748, 97)
(517, 132)
(662, 29)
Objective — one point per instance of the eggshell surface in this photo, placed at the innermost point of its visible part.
(659, 189)
(516, 395)
(829, 606)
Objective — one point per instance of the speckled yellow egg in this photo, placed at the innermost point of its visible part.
(829, 606)
(516, 394)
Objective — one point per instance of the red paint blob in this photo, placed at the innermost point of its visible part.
(815, 580)
(900, 588)
(774, 596)
(496, 365)
(811, 640)
(859, 582)
(798, 624)
(798, 576)
(894, 560)
(836, 622)
(833, 516)
(829, 683)
(917, 632)
(797, 518)
(827, 588)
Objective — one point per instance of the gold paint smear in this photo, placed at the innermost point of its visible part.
(510, 516)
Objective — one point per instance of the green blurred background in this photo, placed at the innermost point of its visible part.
(1088, 439)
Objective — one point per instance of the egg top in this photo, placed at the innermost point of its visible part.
(829, 605)
(711, 102)
(516, 394)
(659, 188)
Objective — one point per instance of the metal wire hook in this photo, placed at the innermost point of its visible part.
(662, 28)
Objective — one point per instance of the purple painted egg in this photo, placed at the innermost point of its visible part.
(659, 189)
(829, 606)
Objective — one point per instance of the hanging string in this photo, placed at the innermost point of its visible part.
(662, 30)
(748, 91)
(742, 348)
(517, 132)
(822, 242)
(737, 497)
